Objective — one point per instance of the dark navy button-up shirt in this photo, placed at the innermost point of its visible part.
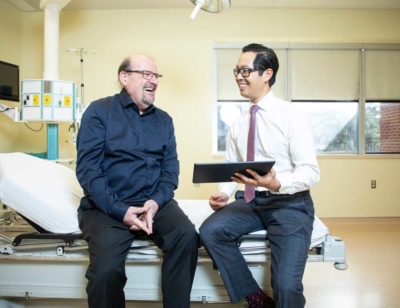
(125, 157)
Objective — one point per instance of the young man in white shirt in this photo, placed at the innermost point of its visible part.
(279, 201)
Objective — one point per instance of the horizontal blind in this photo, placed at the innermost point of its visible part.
(227, 88)
(325, 74)
(382, 74)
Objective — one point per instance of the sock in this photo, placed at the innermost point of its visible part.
(258, 299)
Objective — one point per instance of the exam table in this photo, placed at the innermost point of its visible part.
(51, 262)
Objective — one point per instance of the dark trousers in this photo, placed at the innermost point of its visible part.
(109, 242)
(288, 220)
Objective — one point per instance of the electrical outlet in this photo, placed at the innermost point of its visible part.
(373, 184)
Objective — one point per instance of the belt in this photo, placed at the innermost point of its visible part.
(264, 193)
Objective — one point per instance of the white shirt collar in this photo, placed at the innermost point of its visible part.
(266, 103)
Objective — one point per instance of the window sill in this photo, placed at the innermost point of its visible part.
(340, 156)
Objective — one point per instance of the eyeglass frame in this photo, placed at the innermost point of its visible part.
(237, 71)
(143, 72)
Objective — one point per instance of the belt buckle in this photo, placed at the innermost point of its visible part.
(263, 193)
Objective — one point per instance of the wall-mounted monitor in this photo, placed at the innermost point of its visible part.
(9, 82)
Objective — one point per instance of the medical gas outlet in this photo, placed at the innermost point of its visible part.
(48, 100)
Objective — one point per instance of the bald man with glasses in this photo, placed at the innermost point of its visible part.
(128, 167)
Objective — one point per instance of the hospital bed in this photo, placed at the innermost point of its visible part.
(51, 263)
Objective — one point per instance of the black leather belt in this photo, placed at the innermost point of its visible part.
(263, 193)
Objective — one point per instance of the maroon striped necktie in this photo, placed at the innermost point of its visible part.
(249, 191)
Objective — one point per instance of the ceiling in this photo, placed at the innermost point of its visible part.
(76, 5)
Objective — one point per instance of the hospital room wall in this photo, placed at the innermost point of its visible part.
(183, 50)
(10, 51)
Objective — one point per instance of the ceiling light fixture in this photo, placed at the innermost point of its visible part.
(211, 6)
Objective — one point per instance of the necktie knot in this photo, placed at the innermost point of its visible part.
(254, 109)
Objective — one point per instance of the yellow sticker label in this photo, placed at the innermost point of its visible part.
(47, 100)
(67, 101)
(36, 100)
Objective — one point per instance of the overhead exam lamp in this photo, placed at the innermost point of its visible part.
(211, 6)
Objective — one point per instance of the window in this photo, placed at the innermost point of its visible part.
(382, 106)
(382, 127)
(349, 91)
(228, 111)
(335, 125)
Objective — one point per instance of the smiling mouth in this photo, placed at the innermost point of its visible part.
(150, 90)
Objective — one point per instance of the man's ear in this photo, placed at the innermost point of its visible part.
(268, 73)
(122, 78)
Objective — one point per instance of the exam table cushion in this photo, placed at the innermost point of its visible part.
(49, 194)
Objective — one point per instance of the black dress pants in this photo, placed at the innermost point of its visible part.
(109, 242)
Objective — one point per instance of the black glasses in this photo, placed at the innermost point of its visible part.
(146, 74)
(245, 72)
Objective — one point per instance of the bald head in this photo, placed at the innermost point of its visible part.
(139, 77)
(132, 62)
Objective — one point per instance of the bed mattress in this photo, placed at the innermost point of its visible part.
(49, 194)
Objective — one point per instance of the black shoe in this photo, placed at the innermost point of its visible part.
(270, 304)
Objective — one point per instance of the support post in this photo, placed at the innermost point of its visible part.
(52, 141)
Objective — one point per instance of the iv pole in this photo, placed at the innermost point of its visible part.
(82, 51)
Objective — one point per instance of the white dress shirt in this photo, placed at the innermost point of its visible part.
(283, 134)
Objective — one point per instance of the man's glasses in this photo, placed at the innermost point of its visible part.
(245, 72)
(146, 74)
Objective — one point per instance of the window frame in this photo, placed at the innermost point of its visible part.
(288, 47)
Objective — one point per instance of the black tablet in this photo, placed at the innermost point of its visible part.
(222, 172)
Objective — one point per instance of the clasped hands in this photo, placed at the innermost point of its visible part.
(141, 218)
(268, 181)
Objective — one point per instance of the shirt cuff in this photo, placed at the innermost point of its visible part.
(285, 185)
(228, 187)
(160, 197)
(290, 185)
(119, 210)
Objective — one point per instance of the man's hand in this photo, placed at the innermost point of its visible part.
(268, 181)
(145, 220)
(218, 201)
(132, 219)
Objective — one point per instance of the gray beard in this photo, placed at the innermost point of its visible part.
(146, 101)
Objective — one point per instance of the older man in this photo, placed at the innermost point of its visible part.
(128, 168)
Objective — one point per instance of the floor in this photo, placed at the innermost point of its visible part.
(373, 275)
(371, 280)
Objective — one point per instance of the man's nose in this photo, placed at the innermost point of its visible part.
(239, 77)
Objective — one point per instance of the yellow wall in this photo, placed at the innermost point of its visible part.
(182, 48)
(10, 51)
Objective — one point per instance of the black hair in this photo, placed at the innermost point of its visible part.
(266, 58)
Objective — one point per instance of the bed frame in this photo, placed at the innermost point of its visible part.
(45, 265)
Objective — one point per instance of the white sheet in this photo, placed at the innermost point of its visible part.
(45, 192)
(49, 194)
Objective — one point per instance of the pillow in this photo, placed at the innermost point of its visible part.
(45, 192)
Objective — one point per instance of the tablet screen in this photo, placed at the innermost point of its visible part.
(222, 172)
